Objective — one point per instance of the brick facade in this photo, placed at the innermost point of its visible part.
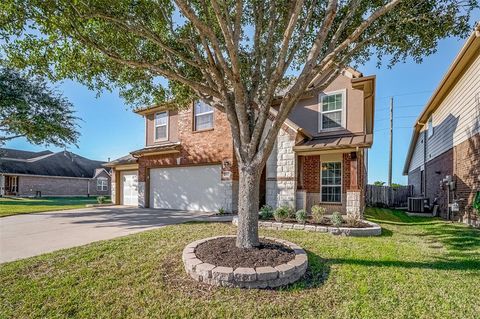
(435, 171)
(414, 179)
(309, 181)
(60, 186)
(212, 146)
(467, 177)
(462, 162)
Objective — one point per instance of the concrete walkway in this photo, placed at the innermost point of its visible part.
(29, 235)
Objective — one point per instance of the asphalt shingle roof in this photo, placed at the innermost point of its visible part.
(47, 163)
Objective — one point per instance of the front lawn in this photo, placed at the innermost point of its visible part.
(418, 268)
(13, 205)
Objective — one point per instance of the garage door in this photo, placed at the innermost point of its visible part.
(129, 188)
(186, 188)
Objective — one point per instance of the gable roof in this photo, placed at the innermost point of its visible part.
(359, 81)
(469, 52)
(21, 155)
(47, 163)
(124, 160)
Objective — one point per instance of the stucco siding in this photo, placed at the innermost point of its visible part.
(458, 117)
(306, 112)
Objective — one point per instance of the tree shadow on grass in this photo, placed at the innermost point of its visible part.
(439, 264)
(386, 232)
(397, 217)
(316, 275)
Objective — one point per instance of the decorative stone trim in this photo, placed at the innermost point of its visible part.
(373, 230)
(260, 277)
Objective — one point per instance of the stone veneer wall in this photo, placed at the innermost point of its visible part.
(280, 166)
(141, 194)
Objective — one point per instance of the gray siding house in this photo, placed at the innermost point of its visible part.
(443, 162)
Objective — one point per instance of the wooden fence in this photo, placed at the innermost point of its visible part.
(388, 196)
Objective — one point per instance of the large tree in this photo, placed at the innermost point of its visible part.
(30, 109)
(234, 55)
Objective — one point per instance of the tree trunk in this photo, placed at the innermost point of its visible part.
(248, 198)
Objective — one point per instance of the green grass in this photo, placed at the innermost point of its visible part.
(16, 205)
(418, 268)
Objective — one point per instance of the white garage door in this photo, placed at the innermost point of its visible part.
(129, 188)
(186, 188)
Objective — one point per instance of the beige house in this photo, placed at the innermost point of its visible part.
(443, 161)
(320, 155)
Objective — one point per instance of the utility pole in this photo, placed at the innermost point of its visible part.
(391, 144)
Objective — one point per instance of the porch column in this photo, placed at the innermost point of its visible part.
(2, 185)
(353, 204)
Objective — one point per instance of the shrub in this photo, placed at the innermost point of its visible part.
(301, 216)
(352, 220)
(101, 199)
(266, 212)
(221, 211)
(476, 202)
(282, 213)
(317, 214)
(336, 219)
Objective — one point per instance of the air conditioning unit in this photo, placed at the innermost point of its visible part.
(417, 204)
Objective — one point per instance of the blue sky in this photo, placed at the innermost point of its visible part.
(109, 129)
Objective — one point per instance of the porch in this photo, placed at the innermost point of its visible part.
(8, 185)
(335, 181)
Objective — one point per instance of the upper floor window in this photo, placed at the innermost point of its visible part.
(102, 184)
(161, 126)
(202, 116)
(331, 178)
(430, 127)
(332, 110)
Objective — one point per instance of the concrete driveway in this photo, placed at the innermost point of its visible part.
(28, 235)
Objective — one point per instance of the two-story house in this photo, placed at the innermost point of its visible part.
(320, 155)
(443, 161)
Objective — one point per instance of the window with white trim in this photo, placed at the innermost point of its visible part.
(102, 184)
(161, 126)
(203, 116)
(430, 127)
(331, 182)
(332, 108)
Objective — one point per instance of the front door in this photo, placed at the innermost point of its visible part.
(129, 189)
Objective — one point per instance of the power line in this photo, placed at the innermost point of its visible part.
(395, 127)
(401, 106)
(396, 117)
(406, 94)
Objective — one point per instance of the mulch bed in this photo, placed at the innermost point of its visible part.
(224, 252)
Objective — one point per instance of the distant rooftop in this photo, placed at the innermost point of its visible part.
(47, 163)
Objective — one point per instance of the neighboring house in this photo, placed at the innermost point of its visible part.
(45, 173)
(446, 138)
(320, 155)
